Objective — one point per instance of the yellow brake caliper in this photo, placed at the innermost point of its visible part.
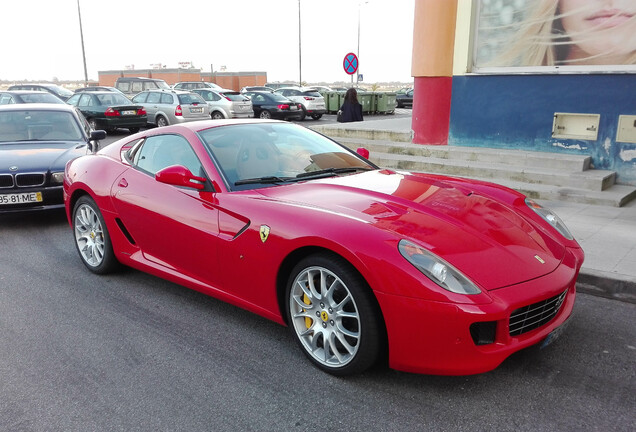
(308, 321)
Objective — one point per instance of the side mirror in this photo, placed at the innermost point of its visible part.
(93, 140)
(363, 152)
(178, 175)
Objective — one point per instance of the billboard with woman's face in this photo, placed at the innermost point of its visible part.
(546, 35)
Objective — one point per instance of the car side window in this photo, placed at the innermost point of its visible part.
(85, 100)
(153, 97)
(167, 99)
(161, 151)
(140, 98)
(6, 100)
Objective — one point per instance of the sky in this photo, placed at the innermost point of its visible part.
(41, 40)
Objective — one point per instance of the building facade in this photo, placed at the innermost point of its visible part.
(528, 75)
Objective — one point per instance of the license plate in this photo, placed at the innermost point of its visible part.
(556, 333)
(129, 112)
(320, 106)
(196, 110)
(20, 198)
(293, 107)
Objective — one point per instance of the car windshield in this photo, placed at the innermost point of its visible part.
(60, 90)
(276, 97)
(162, 85)
(235, 96)
(312, 93)
(112, 99)
(40, 98)
(34, 125)
(190, 98)
(259, 155)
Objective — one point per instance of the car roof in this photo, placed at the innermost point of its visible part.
(19, 92)
(38, 107)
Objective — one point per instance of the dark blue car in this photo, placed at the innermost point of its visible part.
(36, 142)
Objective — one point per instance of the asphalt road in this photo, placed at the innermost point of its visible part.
(131, 352)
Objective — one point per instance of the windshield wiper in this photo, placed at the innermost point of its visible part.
(263, 180)
(328, 172)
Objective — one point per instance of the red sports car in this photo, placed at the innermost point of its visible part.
(436, 274)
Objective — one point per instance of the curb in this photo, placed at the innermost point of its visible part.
(605, 284)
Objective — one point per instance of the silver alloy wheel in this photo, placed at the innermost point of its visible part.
(89, 235)
(162, 121)
(93, 124)
(325, 317)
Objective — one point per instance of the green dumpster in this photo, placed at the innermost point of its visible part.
(334, 101)
(367, 99)
(385, 102)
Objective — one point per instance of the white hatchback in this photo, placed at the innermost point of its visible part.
(226, 103)
(309, 98)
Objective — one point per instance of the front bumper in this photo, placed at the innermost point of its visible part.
(435, 337)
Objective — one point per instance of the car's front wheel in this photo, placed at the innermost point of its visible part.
(334, 315)
(91, 237)
(316, 116)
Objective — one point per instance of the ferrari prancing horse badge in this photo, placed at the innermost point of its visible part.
(264, 233)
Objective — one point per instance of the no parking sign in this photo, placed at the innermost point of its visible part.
(350, 63)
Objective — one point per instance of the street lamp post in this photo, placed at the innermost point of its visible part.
(360, 3)
(300, 62)
(79, 14)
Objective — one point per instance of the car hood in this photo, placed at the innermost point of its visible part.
(491, 243)
(36, 156)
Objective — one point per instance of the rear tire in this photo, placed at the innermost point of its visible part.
(216, 115)
(265, 114)
(162, 121)
(133, 129)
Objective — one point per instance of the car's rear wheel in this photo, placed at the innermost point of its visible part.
(162, 121)
(133, 129)
(216, 115)
(265, 114)
(333, 315)
(91, 237)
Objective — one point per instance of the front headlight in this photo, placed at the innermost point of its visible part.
(436, 269)
(57, 178)
(550, 217)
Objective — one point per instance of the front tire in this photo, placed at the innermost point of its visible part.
(316, 116)
(91, 237)
(333, 315)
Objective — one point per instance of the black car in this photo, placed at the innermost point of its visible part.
(109, 110)
(59, 91)
(28, 96)
(36, 142)
(272, 105)
(404, 98)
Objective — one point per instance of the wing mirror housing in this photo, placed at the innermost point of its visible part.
(363, 152)
(94, 138)
(178, 175)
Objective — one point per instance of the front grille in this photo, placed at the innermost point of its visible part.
(535, 315)
(6, 180)
(28, 180)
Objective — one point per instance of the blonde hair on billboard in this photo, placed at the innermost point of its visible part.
(541, 39)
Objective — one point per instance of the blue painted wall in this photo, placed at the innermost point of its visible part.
(516, 111)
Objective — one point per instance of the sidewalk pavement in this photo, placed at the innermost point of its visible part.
(606, 234)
